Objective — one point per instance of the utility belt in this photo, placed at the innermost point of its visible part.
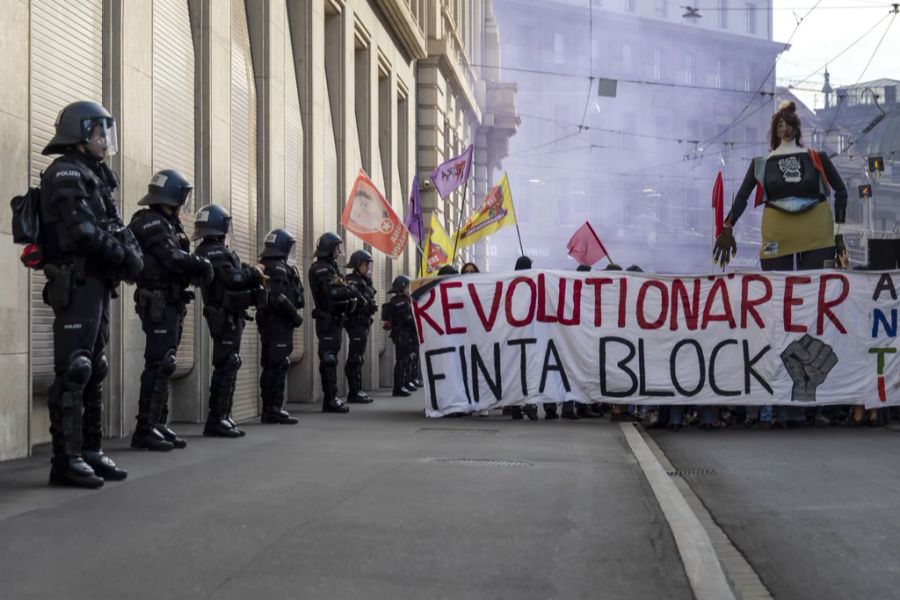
(322, 315)
(239, 302)
(62, 279)
(152, 304)
(221, 320)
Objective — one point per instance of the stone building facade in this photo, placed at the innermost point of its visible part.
(271, 107)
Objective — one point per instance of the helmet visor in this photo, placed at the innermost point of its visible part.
(187, 200)
(101, 130)
(292, 255)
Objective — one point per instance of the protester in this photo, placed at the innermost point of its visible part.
(470, 267)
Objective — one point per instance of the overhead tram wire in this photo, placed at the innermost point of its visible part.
(839, 54)
(765, 78)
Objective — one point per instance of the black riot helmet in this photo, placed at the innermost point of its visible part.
(279, 244)
(399, 284)
(168, 187)
(357, 258)
(211, 221)
(327, 243)
(75, 124)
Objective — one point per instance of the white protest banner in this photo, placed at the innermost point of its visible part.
(808, 338)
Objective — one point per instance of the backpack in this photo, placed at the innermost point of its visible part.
(26, 226)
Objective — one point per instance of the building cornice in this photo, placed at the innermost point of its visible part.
(406, 27)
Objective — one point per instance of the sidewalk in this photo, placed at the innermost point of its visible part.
(381, 503)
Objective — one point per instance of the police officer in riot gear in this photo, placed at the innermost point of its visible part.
(277, 322)
(235, 287)
(87, 252)
(402, 326)
(358, 323)
(161, 299)
(333, 300)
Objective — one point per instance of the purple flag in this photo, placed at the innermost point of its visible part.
(414, 212)
(452, 173)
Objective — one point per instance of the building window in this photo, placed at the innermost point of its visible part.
(751, 18)
(688, 69)
(630, 5)
(657, 66)
(662, 8)
(723, 14)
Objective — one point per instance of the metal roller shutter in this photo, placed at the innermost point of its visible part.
(66, 66)
(293, 167)
(329, 217)
(173, 120)
(243, 194)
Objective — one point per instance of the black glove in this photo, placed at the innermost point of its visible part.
(725, 247)
(204, 271)
(298, 320)
(133, 265)
(113, 251)
(840, 251)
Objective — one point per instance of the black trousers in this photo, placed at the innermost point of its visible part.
(403, 357)
(163, 335)
(358, 339)
(276, 340)
(328, 332)
(80, 337)
(226, 360)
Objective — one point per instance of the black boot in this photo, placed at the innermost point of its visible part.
(550, 412)
(150, 438)
(72, 471)
(217, 424)
(568, 411)
(232, 383)
(516, 412)
(272, 384)
(145, 435)
(585, 412)
(163, 426)
(531, 411)
(355, 395)
(104, 465)
(330, 403)
(92, 444)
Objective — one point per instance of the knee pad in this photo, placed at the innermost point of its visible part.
(355, 360)
(329, 359)
(233, 363)
(167, 365)
(78, 372)
(100, 368)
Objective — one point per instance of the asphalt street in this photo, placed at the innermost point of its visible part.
(380, 503)
(814, 511)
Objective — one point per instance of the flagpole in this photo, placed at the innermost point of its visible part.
(597, 237)
(512, 202)
(461, 213)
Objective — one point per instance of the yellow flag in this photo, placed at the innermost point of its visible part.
(496, 211)
(438, 248)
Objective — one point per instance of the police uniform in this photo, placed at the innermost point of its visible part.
(161, 301)
(333, 300)
(235, 288)
(357, 326)
(403, 334)
(277, 322)
(87, 252)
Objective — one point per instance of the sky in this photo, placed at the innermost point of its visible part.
(826, 31)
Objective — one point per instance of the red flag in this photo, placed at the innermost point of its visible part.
(369, 216)
(585, 247)
(718, 203)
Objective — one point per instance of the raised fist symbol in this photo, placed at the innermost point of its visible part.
(808, 361)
